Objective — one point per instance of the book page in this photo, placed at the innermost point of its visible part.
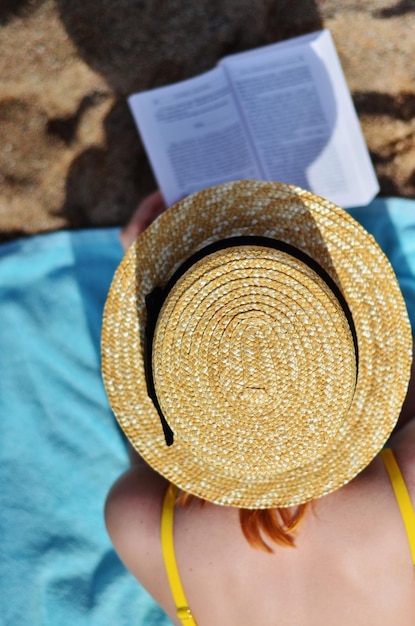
(298, 109)
(193, 135)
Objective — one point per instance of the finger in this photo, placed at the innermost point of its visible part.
(150, 208)
(147, 211)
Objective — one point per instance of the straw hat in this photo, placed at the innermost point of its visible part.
(271, 360)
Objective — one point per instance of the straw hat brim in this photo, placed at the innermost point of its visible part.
(364, 276)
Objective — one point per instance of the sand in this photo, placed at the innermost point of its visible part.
(70, 156)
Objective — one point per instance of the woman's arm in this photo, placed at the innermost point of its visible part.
(132, 517)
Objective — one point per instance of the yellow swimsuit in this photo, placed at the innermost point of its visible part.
(402, 496)
(183, 612)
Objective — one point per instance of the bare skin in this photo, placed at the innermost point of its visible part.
(352, 563)
(147, 211)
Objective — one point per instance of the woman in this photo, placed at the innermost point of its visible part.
(265, 375)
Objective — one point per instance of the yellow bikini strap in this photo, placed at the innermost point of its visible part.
(402, 496)
(167, 545)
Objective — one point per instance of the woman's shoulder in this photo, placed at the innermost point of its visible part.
(136, 488)
(132, 517)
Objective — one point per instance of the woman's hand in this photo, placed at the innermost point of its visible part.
(147, 211)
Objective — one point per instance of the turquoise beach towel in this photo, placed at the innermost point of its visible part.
(60, 447)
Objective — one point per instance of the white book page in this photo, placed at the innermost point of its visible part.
(193, 135)
(299, 112)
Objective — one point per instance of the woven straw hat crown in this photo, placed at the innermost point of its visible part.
(274, 350)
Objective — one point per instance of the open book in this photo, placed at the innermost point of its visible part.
(282, 112)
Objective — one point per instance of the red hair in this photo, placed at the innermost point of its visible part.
(277, 525)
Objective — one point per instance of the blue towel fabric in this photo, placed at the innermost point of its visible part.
(60, 447)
